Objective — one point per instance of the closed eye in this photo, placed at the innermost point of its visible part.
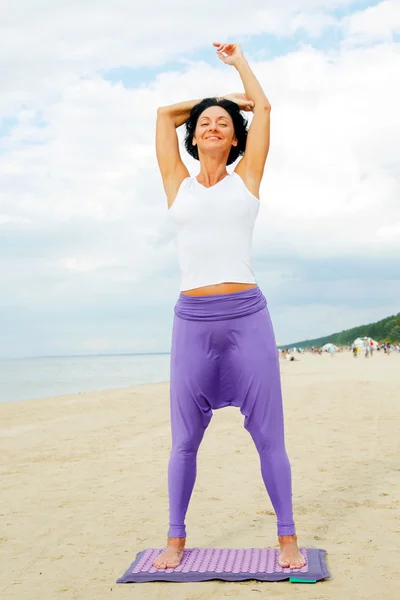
(219, 123)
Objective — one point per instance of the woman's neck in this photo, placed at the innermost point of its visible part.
(211, 172)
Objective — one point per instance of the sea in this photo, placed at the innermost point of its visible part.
(33, 378)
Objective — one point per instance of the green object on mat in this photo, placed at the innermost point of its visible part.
(297, 580)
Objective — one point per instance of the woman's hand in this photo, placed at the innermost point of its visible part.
(229, 53)
(241, 100)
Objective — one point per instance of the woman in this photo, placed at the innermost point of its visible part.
(223, 347)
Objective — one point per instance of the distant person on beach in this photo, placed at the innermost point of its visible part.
(223, 346)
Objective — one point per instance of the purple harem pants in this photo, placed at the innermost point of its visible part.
(224, 354)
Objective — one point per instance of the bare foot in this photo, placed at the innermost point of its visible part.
(172, 555)
(290, 556)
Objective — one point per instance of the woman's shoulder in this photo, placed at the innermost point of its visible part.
(183, 186)
(250, 186)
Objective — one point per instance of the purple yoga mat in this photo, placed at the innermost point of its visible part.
(203, 564)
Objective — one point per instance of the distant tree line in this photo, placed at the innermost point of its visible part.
(386, 330)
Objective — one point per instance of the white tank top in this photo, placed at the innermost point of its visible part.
(214, 232)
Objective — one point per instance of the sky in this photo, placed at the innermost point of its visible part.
(88, 263)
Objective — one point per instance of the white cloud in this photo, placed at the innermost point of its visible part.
(44, 45)
(81, 200)
(389, 231)
(374, 24)
(313, 23)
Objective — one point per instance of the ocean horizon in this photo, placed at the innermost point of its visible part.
(36, 377)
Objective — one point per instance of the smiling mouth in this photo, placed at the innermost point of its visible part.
(213, 137)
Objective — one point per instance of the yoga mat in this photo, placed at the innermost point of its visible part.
(204, 564)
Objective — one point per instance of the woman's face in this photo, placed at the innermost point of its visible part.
(214, 131)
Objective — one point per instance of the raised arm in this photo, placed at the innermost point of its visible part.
(251, 166)
(172, 168)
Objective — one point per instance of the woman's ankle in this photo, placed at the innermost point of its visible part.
(176, 542)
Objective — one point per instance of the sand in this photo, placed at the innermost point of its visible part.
(84, 487)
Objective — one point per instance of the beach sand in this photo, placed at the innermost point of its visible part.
(84, 487)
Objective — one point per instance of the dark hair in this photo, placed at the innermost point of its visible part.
(239, 126)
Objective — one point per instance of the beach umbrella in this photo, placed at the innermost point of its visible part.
(360, 342)
(328, 347)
